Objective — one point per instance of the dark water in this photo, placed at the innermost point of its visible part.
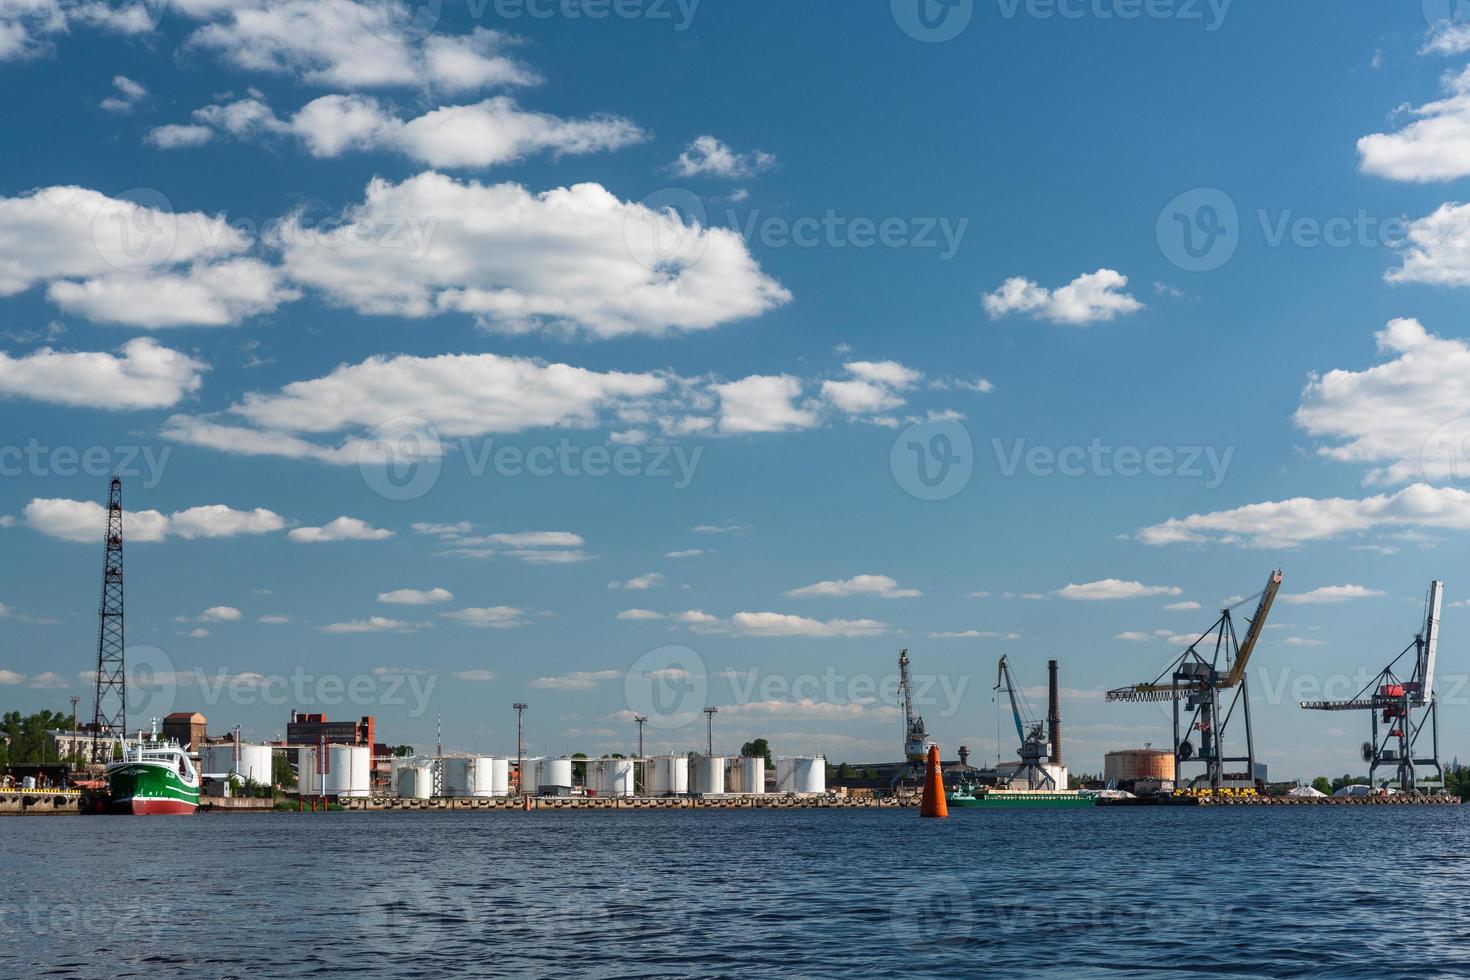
(1288, 892)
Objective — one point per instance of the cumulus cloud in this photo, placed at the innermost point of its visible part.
(640, 582)
(640, 614)
(1436, 250)
(126, 95)
(206, 295)
(219, 614)
(873, 387)
(762, 403)
(1289, 523)
(373, 624)
(484, 134)
(568, 258)
(770, 624)
(342, 529)
(577, 680)
(974, 635)
(1332, 593)
(85, 521)
(492, 617)
(1187, 606)
(533, 547)
(1112, 588)
(143, 375)
(416, 597)
(1447, 37)
(707, 156)
(880, 586)
(1405, 416)
(1090, 298)
(1434, 147)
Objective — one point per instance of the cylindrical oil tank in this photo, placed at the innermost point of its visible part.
(456, 776)
(801, 774)
(252, 762)
(531, 776)
(308, 780)
(753, 775)
(1134, 764)
(499, 777)
(711, 775)
(350, 769)
(416, 781)
(668, 775)
(556, 773)
(615, 777)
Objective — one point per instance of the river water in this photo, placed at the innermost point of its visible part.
(1251, 892)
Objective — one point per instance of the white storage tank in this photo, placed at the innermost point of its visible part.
(614, 777)
(499, 777)
(531, 777)
(804, 774)
(556, 774)
(753, 775)
(710, 775)
(308, 780)
(456, 776)
(252, 762)
(416, 781)
(351, 766)
(668, 775)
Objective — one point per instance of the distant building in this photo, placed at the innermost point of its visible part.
(307, 728)
(187, 728)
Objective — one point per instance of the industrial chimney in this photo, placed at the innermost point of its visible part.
(1053, 713)
(964, 756)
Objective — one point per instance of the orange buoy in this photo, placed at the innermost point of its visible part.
(934, 804)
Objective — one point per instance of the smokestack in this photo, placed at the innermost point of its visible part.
(1053, 713)
(965, 756)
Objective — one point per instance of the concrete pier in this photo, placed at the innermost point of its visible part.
(39, 802)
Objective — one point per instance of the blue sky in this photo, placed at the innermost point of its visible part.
(259, 254)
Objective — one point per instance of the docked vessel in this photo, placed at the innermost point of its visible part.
(152, 778)
(977, 796)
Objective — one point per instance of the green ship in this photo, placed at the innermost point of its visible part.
(153, 779)
(977, 796)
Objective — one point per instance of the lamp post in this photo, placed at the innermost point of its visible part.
(520, 707)
(641, 720)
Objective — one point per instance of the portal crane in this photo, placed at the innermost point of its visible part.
(915, 737)
(1035, 750)
(1197, 682)
(1401, 707)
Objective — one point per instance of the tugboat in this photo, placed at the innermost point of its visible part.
(152, 778)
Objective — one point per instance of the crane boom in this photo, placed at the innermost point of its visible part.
(1003, 677)
(1253, 633)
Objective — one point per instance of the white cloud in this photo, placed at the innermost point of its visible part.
(416, 597)
(127, 95)
(1288, 523)
(10, 677)
(494, 617)
(49, 681)
(762, 403)
(707, 156)
(1332, 593)
(1090, 298)
(1112, 588)
(869, 585)
(274, 620)
(346, 44)
(373, 624)
(1447, 37)
(1133, 636)
(1437, 249)
(85, 521)
(1400, 414)
(145, 375)
(873, 388)
(538, 539)
(342, 529)
(974, 635)
(770, 624)
(572, 258)
(532, 547)
(640, 614)
(577, 680)
(485, 134)
(686, 553)
(196, 634)
(1435, 146)
(728, 527)
(1182, 606)
(219, 614)
(1300, 641)
(640, 582)
(207, 295)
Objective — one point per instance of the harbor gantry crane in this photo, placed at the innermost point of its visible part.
(1401, 708)
(1197, 680)
(916, 739)
(1035, 748)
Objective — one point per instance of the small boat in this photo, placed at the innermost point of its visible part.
(152, 778)
(990, 796)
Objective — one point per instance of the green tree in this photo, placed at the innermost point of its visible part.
(1322, 785)
(758, 749)
(402, 751)
(23, 738)
(281, 772)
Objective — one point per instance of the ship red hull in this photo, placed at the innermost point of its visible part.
(150, 807)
